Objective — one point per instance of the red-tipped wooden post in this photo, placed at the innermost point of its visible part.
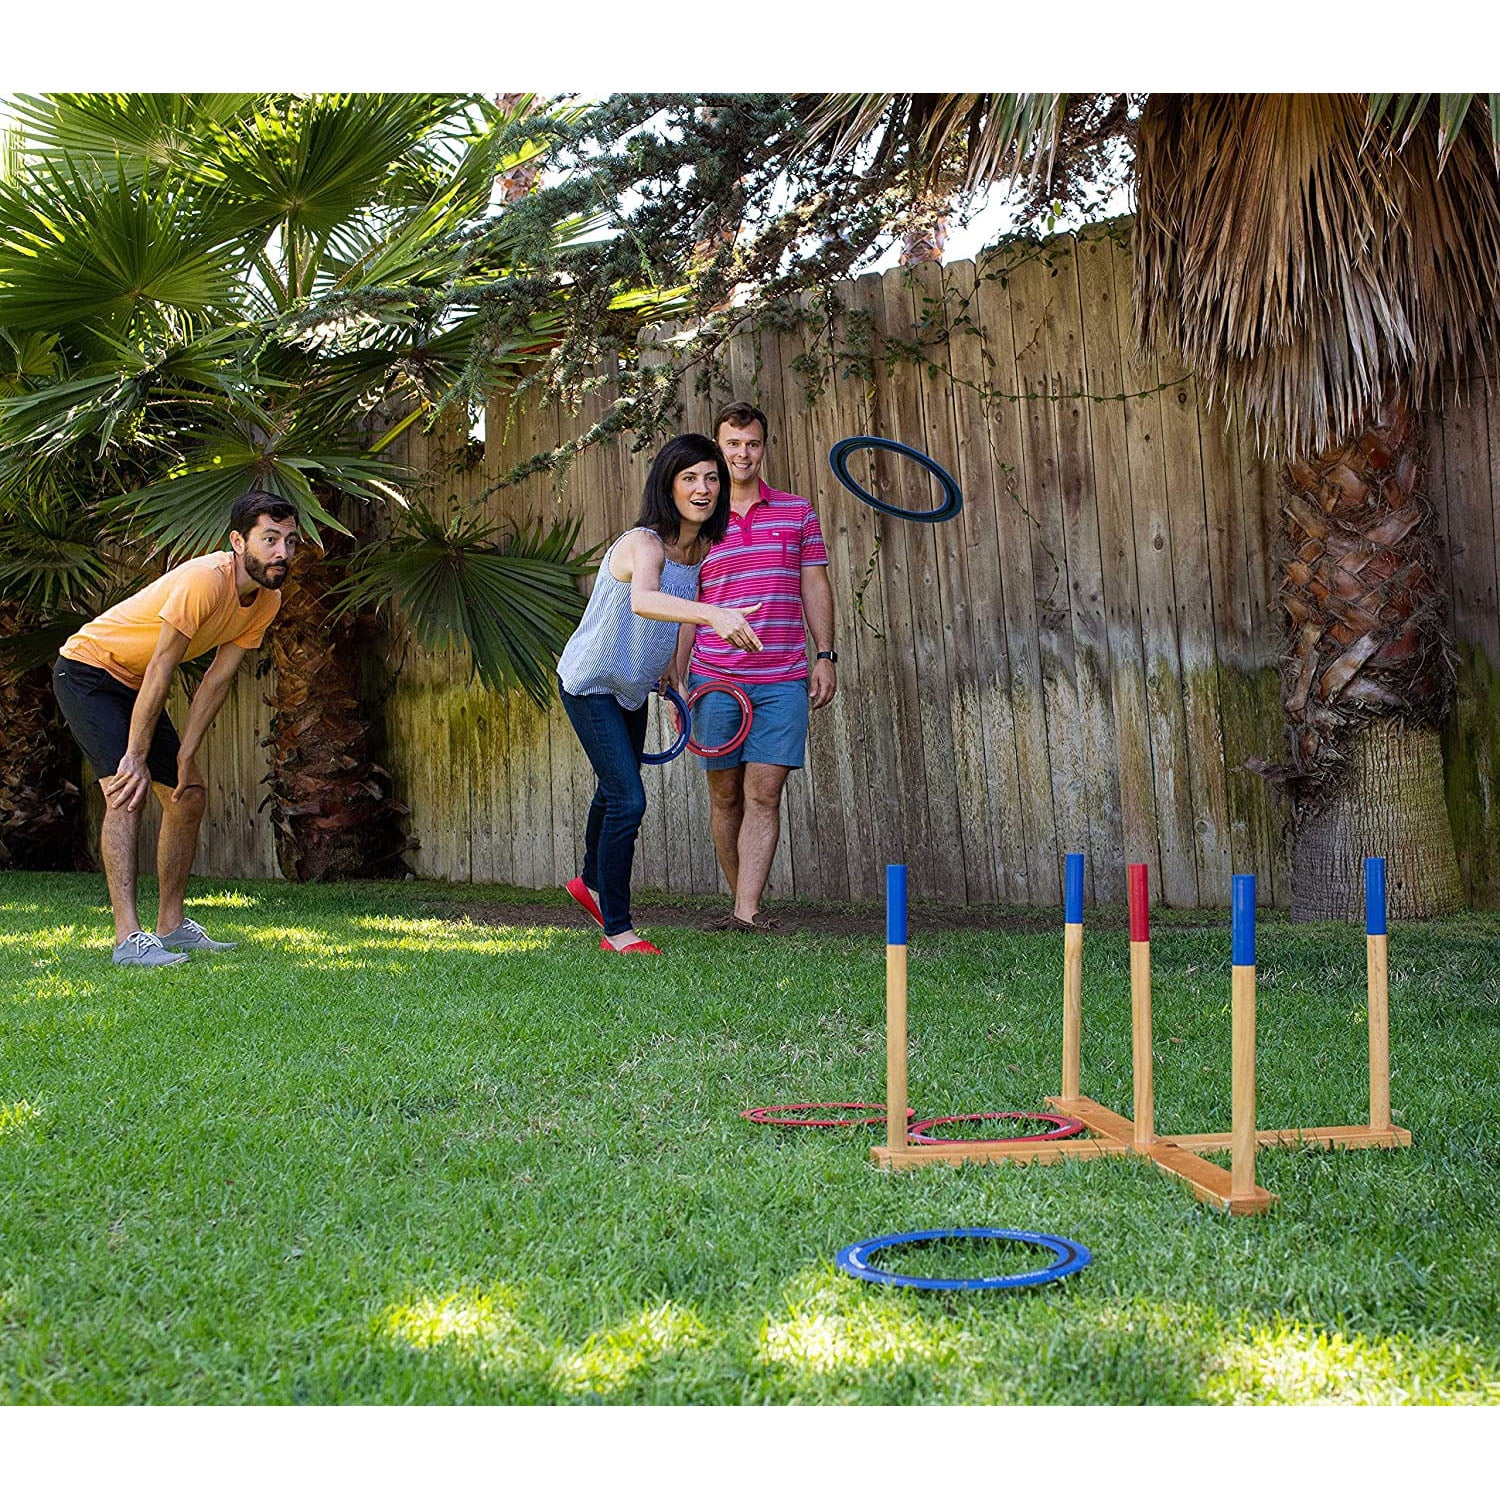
(1139, 888)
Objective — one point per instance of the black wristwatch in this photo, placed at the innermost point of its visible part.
(832, 656)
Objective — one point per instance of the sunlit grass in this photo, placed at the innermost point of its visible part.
(15, 1116)
(617, 1355)
(376, 1154)
(477, 1324)
(1283, 1363)
(225, 900)
(831, 1326)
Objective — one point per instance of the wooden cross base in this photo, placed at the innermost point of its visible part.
(1114, 1135)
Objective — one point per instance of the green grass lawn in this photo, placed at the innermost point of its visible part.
(380, 1154)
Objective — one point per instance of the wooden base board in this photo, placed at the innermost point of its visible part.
(1329, 1137)
(1112, 1134)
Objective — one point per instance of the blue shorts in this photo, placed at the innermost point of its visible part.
(778, 723)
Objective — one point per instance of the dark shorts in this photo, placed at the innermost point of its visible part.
(98, 709)
(778, 724)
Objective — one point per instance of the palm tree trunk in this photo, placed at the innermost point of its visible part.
(41, 806)
(1369, 676)
(334, 815)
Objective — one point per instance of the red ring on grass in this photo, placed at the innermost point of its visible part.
(767, 1114)
(740, 735)
(1064, 1126)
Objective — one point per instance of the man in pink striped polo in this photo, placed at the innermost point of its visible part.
(773, 556)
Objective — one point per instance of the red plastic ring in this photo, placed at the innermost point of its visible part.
(746, 714)
(1065, 1125)
(767, 1114)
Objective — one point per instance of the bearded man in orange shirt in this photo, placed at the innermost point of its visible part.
(111, 681)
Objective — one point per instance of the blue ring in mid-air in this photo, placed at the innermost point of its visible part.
(684, 732)
(1070, 1257)
(838, 461)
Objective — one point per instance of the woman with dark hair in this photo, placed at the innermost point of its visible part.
(647, 585)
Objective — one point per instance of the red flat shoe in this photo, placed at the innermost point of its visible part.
(580, 893)
(605, 946)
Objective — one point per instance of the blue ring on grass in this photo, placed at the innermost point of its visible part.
(838, 461)
(684, 732)
(1070, 1257)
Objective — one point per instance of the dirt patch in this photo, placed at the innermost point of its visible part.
(834, 921)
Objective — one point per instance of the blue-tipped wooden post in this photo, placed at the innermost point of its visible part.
(1072, 974)
(1242, 1024)
(895, 1007)
(1138, 890)
(1377, 985)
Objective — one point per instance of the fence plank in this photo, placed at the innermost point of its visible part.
(1033, 300)
(922, 643)
(1014, 524)
(1175, 875)
(1096, 734)
(869, 688)
(1194, 588)
(1000, 796)
(969, 763)
(1107, 383)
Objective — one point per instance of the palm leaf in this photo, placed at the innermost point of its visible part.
(510, 598)
(1300, 266)
(145, 132)
(1402, 113)
(74, 249)
(49, 555)
(308, 165)
(998, 136)
(188, 512)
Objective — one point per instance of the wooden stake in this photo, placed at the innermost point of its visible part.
(1072, 977)
(1138, 887)
(895, 1007)
(1377, 987)
(1242, 1060)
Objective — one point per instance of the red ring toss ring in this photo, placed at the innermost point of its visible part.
(746, 714)
(1063, 1127)
(771, 1114)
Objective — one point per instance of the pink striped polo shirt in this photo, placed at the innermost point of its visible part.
(761, 560)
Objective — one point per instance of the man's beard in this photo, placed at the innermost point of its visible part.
(259, 572)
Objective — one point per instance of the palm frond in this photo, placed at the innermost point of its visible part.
(26, 359)
(995, 136)
(49, 555)
(75, 249)
(1302, 265)
(309, 164)
(1402, 113)
(510, 598)
(143, 132)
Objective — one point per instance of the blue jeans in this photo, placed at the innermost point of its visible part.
(613, 739)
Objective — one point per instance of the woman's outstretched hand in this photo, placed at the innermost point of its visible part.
(732, 626)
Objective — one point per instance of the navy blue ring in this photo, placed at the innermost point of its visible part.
(1070, 1257)
(838, 461)
(684, 732)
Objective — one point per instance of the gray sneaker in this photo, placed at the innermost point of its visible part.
(145, 950)
(191, 938)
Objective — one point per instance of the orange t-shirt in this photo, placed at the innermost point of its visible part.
(198, 598)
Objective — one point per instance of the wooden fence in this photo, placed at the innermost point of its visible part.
(1080, 661)
(1083, 660)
